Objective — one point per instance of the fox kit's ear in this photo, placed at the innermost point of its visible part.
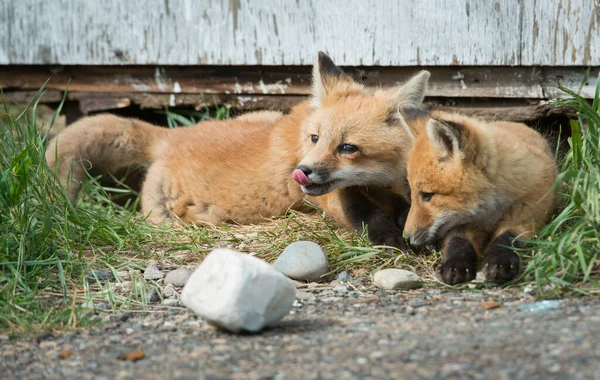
(408, 96)
(327, 76)
(444, 139)
(411, 94)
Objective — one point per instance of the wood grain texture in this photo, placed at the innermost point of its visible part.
(284, 32)
(560, 32)
(244, 81)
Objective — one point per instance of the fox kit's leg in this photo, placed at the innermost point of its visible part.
(155, 194)
(460, 251)
(163, 200)
(501, 262)
(354, 208)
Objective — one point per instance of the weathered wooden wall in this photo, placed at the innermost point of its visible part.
(286, 32)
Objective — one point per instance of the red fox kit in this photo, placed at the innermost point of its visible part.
(477, 186)
(346, 137)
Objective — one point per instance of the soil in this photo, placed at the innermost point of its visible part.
(338, 331)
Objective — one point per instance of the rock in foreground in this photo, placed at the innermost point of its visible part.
(302, 260)
(238, 292)
(396, 279)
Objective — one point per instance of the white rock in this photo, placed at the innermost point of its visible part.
(238, 292)
(177, 277)
(396, 279)
(152, 272)
(302, 260)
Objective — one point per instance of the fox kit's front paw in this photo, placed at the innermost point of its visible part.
(456, 271)
(460, 261)
(501, 267)
(501, 264)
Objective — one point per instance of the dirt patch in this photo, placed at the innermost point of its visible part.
(345, 330)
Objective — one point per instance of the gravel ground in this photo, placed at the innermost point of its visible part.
(341, 331)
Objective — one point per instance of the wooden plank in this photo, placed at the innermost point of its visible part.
(465, 82)
(521, 110)
(560, 32)
(263, 32)
(281, 32)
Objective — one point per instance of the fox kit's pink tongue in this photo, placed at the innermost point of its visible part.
(299, 176)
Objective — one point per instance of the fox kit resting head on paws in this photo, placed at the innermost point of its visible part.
(478, 186)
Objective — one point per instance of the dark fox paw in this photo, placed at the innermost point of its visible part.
(501, 267)
(391, 238)
(457, 270)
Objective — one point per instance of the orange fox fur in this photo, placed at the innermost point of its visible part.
(240, 170)
(477, 186)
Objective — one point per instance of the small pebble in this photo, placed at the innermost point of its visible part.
(304, 295)
(396, 279)
(169, 292)
(99, 276)
(152, 272)
(343, 276)
(170, 302)
(340, 289)
(302, 260)
(540, 306)
(169, 325)
(177, 277)
(153, 295)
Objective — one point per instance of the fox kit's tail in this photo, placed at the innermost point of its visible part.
(106, 143)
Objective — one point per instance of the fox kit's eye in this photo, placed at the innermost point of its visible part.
(426, 197)
(314, 138)
(347, 148)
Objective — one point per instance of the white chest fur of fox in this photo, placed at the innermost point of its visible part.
(240, 170)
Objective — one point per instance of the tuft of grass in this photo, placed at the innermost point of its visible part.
(183, 117)
(43, 236)
(566, 253)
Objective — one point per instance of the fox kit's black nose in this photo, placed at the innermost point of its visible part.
(305, 169)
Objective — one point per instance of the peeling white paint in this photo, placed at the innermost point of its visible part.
(274, 88)
(246, 99)
(283, 32)
(176, 88)
(140, 86)
(161, 81)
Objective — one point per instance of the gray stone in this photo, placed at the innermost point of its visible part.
(343, 276)
(169, 292)
(153, 295)
(170, 302)
(302, 260)
(152, 272)
(238, 292)
(177, 277)
(396, 279)
(99, 276)
(340, 289)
